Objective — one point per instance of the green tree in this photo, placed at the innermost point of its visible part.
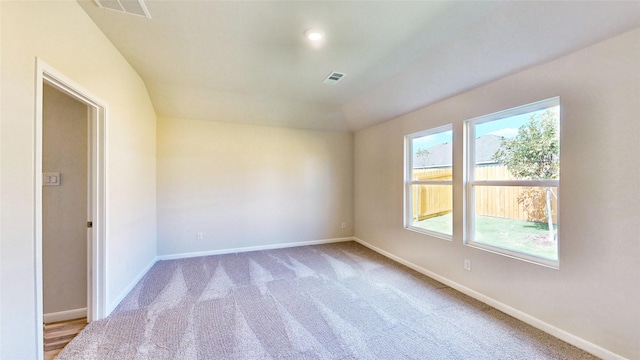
(533, 154)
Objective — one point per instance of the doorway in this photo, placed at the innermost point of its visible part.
(64, 206)
(85, 175)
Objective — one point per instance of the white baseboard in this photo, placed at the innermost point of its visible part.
(64, 315)
(522, 316)
(251, 248)
(130, 287)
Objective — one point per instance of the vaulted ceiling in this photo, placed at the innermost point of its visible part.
(249, 62)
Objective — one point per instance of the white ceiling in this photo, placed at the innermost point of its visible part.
(248, 62)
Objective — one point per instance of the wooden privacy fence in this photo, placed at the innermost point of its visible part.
(512, 202)
(432, 200)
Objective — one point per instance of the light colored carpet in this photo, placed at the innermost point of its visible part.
(334, 301)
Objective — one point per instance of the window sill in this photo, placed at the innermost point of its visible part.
(552, 264)
(430, 233)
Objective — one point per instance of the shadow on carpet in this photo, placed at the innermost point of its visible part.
(332, 301)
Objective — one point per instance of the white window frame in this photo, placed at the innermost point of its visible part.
(409, 182)
(470, 183)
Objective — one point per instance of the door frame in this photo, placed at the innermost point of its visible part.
(96, 193)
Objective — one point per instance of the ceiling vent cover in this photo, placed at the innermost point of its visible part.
(333, 78)
(133, 7)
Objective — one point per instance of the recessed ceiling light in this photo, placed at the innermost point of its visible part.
(314, 34)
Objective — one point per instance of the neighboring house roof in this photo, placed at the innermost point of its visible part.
(486, 147)
(440, 155)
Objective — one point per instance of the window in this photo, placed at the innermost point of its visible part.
(513, 172)
(428, 176)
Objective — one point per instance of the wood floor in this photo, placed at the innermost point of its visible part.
(58, 335)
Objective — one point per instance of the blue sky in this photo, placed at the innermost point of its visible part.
(432, 140)
(507, 127)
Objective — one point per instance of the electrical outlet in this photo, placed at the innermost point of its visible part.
(467, 264)
(199, 236)
(344, 225)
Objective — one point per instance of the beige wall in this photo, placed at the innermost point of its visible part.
(595, 293)
(64, 207)
(1, 198)
(247, 185)
(61, 34)
(244, 185)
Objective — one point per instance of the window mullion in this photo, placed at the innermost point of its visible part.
(431, 182)
(529, 183)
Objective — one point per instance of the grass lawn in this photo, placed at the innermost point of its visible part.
(516, 235)
(441, 224)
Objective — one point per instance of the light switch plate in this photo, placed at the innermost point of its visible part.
(51, 179)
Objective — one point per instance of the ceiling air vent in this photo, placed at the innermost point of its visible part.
(133, 7)
(333, 78)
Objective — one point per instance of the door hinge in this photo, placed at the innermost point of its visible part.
(89, 224)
